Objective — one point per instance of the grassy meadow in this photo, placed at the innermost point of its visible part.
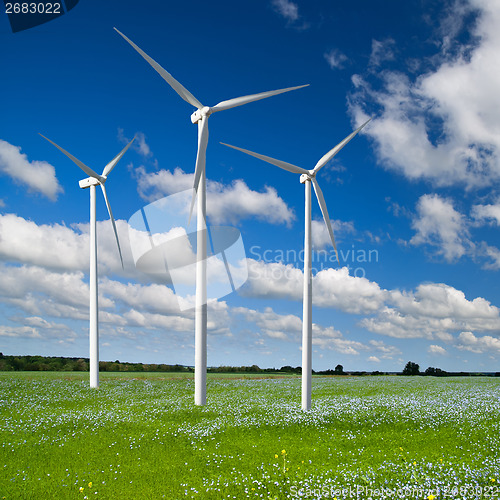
(139, 436)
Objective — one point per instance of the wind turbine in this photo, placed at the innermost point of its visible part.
(200, 116)
(91, 182)
(307, 177)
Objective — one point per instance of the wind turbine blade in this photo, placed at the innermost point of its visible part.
(111, 165)
(84, 167)
(324, 211)
(281, 164)
(180, 89)
(326, 158)
(112, 221)
(200, 158)
(239, 101)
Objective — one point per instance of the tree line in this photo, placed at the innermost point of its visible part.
(412, 368)
(59, 364)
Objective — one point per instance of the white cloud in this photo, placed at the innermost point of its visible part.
(289, 327)
(55, 246)
(433, 311)
(484, 213)
(491, 253)
(272, 324)
(286, 9)
(331, 287)
(385, 351)
(237, 201)
(27, 332)
(374, 359)
(441, 125)
(335, 58)
(382, 50)
(38, 176)
(140, 145)
(356, 295)
(439, 225)
(438, 300)
(320, 236)
(437, 349)
(225, 203)
(153, 298)
(470, 342)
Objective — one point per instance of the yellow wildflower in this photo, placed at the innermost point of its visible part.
(283, 452)
(90, 484)
(81, 489)
(275, 455)
(431, 497)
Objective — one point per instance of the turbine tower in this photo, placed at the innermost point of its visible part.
(307, 177)
(200, 116)
(91, 182)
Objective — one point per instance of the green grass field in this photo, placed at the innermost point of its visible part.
(139, 436)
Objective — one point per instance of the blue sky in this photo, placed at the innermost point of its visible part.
(414, 198)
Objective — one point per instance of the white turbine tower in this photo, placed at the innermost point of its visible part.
(306, 177)
(200, 116)
(91, 182)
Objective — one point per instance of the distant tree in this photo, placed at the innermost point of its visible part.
(435, 372)
(339, 370)
(411, 368)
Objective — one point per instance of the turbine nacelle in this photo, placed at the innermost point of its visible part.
(307, 177)
(90, 181)
(200, 113)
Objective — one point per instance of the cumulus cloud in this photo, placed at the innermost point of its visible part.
(286, 9)
(55, 246)
(437, 349)
(331, 287)
(320, 236)
(27, 332)
(140, 145)
(469, 342)
(225, 203)
(288, 327)
(433, 311)
(439, 225)
(272, 324)
(335, 58)
(487, 213)
(382, 50)
(38, 176)
(441, 125)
